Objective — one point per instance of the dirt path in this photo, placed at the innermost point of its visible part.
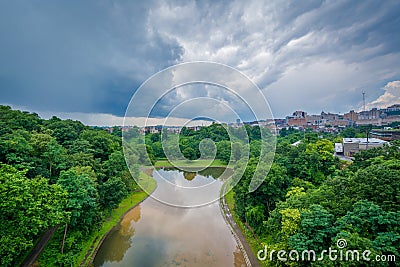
(248, 255)
(40, 245)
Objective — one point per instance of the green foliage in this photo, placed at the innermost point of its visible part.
(28, 207)
(11, 120)
(157, 149)
(85, 176)
(255, 216)
(48, 154)
(308, 200)
(15, 149)
(379, 183)
(216, 140)
(208, 149)
(315, 230)
(369, 220)
(102, 143)
(224, 150)
(237, 151)
(115, 164)
(111, 193)
(65, 131)
(189, 153)
(290, 222)
(349, 132)
(132, 133)
(368, 226)
(82, 199)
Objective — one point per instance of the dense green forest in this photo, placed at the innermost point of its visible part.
(219, 141)
(61, 172)
(55, 172)
(310, 199)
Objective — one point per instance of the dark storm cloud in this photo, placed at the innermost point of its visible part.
(85, 56)
(90, 56)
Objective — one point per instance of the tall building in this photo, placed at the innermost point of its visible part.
(299, 114)
(351, 116)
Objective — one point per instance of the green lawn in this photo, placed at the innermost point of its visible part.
(126, 204)
(190, 163)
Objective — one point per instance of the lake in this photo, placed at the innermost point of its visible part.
(164, 231)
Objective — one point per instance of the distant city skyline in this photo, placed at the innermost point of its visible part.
(173, 122)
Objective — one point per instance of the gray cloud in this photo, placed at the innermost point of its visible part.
(91, 56)
(333, 49)
(78, 56)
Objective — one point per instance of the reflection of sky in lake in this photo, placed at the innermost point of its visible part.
(169, 193)
(181, 189)
(175, 177)
(162, 235)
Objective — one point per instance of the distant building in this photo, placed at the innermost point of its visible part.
(338, 148)
(302, 120)
(194, 128)
(351, 116)
(379, 117)
(299, 122)
(299, 114)
(153, 129)
(280, 122)
(314, 120)
(339, 122)
(298, 119)
(354, 145)
(393, 110)
(329, 116)
(386, 134)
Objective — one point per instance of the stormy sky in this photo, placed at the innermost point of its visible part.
(85, 59)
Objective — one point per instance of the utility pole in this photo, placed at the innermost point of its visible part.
(363, 93)
(366, 129)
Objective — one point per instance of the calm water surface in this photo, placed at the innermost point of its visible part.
(156, 234)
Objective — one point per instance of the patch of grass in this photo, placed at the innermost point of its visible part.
(190, 163)
(230, 201)
(89, 246)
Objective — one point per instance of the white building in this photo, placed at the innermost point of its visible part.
(339, 148)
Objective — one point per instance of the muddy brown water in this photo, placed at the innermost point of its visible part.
(156, 234)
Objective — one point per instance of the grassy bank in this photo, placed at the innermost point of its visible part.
(89, 247)
(230, 201)
(190, 163)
